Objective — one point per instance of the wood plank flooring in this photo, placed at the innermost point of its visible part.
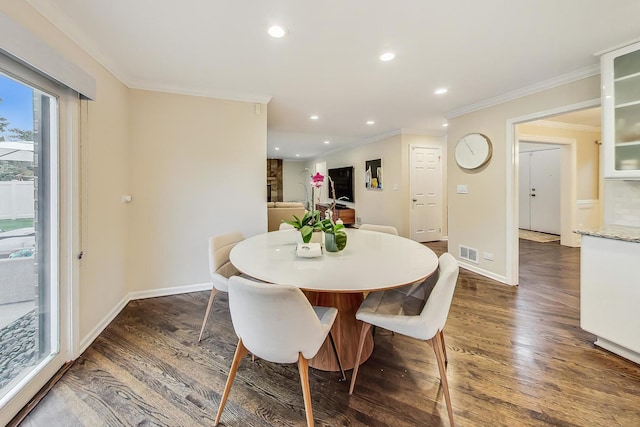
(517, 357)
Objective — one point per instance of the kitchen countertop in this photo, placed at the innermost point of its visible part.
(616, 232)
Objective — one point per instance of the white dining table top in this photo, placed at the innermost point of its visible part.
(370, 261)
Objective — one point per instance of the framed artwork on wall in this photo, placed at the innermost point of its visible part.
(373, 174)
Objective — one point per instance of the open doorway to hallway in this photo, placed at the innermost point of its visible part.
(558, 171)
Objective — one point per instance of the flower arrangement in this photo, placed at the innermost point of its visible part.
(335, 237)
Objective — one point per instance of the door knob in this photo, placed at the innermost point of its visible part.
(415, 200)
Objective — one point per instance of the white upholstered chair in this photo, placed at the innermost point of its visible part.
(380, 228)
(285, 226)
(404, 314)
(278, 324)
(220, 267)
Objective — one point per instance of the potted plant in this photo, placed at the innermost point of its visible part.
(306, 225)
(335, 239)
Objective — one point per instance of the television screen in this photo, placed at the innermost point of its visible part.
(343, 182)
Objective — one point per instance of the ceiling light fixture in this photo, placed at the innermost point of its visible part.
(277, 148)
(327, 142)
(276, 31)
(444, 125)
(441, 91)
(297, 155)
(371, 122)
(387, 56)
(314, 117)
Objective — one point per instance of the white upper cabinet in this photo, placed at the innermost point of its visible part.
(621, 112)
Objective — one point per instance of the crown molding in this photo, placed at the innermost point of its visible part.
(202, 92)
(409, 131)
(571, 77)
(616, 47)
(562, 125)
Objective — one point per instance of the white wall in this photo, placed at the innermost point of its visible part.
(479, 219)
(198, 169)
(294, 181)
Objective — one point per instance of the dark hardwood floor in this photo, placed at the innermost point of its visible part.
(517, 357)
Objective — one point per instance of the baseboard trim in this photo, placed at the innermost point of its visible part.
(131, 296)
(175, 290)
(106, 320)
(483, 272)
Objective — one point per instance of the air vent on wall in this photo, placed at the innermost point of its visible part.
(468, 254)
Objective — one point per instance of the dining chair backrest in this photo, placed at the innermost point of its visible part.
(275, 322)
(436, 309)
(380, 228)
(219, 249)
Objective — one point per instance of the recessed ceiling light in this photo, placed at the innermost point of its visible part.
(387, 56)
(277, 31)
(441, 91)
(371, 122)
(297, 155)
(327, 142)
(444, 125)
(277, 148)
(314, 117)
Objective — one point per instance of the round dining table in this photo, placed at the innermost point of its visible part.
(371, 261)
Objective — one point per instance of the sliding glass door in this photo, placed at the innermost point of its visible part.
(33, 298)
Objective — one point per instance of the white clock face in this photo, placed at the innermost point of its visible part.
(473, 151)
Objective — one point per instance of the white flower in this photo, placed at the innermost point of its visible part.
(328, 214)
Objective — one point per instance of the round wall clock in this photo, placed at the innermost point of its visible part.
(473, 151)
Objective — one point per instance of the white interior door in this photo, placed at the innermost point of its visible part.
(540, 185)
(545, 191)
(426, 194)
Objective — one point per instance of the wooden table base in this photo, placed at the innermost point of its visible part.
(345, 330)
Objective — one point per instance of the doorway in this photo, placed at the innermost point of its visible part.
(576, 129)
(35, 311)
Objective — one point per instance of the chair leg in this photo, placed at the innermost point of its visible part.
(335, 351)
(241, 351)
(303, 369)
(444, 349)
(214, 291)
(363, 335)
(437, 344)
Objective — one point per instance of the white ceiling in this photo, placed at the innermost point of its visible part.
(328, 63)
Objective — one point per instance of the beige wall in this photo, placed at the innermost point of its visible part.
(587, 156)
(194, 167)
(478, 219)
(103, 281)
(198, 168)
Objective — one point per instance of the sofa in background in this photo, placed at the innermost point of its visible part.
(277, 211)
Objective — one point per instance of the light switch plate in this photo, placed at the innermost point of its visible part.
(463, 189)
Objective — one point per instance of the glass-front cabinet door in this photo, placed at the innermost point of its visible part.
(621, 112)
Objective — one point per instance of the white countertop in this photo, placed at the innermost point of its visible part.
(370, 261)
(615, 232)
